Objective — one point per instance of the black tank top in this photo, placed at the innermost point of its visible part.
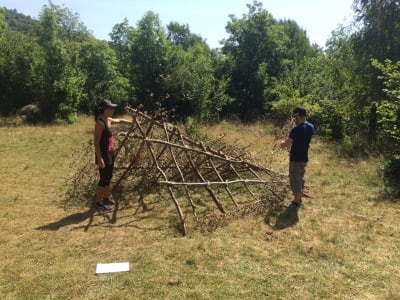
(107, 144)
(107, 139)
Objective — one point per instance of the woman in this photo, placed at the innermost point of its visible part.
(104, 148)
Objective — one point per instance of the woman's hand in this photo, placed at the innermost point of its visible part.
(101, 163)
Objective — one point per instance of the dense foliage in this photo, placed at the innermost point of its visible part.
(388, 111)
(263, 69)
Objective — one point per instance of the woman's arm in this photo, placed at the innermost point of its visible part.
(121, 121)
(98, 130)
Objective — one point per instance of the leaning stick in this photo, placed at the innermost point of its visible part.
(177, 206)
(181, 175)
(220, 178)
(210, 191)
(223, 183)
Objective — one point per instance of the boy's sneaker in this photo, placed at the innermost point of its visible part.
(293, 204)
(107, 201)
(101, 207)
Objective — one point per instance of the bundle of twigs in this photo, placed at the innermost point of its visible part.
(155, 154)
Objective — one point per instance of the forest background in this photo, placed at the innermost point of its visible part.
(264, 68)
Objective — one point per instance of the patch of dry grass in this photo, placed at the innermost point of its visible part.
(344, 243)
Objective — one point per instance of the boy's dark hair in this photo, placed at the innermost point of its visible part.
(299, 110)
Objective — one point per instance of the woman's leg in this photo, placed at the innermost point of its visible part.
(100, 193)
(107, 192)
(103, 187)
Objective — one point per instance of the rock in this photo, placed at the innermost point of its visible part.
(26, 109)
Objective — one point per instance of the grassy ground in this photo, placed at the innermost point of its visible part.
(343, 244)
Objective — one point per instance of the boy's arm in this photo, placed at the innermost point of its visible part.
(286, 143)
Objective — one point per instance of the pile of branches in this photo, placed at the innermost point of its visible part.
(153, 155)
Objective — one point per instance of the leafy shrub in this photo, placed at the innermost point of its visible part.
(391, 174)
(192, 127)
(325, 115)
(329, 119)
(34, 116)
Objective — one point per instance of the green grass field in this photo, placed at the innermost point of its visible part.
(343, 244)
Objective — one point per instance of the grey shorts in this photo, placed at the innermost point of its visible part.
(296, 175)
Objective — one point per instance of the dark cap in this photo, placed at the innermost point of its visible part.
(299, 110)
(106, 104)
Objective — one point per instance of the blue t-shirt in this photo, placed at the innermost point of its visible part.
(301, 136)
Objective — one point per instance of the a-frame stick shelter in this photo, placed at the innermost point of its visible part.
(158, 152)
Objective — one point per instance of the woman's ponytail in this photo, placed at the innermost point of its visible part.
(98, 111)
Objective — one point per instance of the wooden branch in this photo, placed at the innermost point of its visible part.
(220, 178)
(181, 176)
(210, 191)
(245, 183)
(136, 157)
(178, 162)
(124, 140)
(223, 183)
(187, 148)
(177, 206)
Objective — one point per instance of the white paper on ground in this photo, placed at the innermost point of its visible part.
(112, 268)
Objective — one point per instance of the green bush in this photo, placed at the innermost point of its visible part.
(34, 116)
(391, 174)
(325, 115)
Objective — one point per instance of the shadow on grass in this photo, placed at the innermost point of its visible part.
(109, 217)
(80, 217)
(287, 218)
(387, 195)
(70, 220)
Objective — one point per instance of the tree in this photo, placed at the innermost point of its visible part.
(18, 50)
(221, 71)
(258, 46)
(17, 54)
(389, 108)
(326, 85)
(120, 42)
(99, 64)
(298, 45)
(59, 77)
(69, 25)
(3, 23)
(378, 37)
(195, 84)
(379, 22)
(179, 34)
(18, 22)
(189, 83)
(388, 113)
(148, 54)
